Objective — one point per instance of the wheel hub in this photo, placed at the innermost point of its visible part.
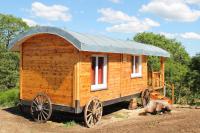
(39, 107)
(94, 111)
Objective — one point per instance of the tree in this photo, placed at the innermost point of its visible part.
(176, 49)
(193, 76)
(9, 65)
(176, 67)
(10, 26)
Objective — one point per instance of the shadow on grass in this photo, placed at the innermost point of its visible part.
(64, 117)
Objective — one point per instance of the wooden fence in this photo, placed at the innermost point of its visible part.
(156, 82)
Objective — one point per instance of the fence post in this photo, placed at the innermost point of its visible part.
(164, 90)
(172, 93)
(162, 70)
(152, 80)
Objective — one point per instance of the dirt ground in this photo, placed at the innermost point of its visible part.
(116, 119)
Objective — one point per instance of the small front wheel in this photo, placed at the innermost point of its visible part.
(93, 112)
(41, 108)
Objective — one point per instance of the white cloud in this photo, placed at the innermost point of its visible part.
(115, 1)
(121, 22)
(193, 1)
(186, 35)
(174, 10)
(51, 13)
(169, 35)
(191, 35)
(112, 16)
(150, 22)
(128, 27)
(30, 22)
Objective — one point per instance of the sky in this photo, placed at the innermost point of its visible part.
(119, 19)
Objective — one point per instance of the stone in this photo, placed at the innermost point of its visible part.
(159, 107)
(133, 104)
(151, 107)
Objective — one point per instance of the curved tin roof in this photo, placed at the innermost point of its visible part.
(93, 43)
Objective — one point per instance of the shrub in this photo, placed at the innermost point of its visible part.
(9, 97)
(70, 123)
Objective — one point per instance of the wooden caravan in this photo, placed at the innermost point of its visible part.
(74, 72)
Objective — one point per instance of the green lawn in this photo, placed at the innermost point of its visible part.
(9, 97)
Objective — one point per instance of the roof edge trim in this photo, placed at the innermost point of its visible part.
(48, 30)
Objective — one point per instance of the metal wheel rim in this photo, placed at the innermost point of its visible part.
(41, 108)
(93, 112)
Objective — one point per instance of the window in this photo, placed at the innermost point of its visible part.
(98, 72)
(136, 66)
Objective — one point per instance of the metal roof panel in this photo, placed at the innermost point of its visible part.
(93, 43)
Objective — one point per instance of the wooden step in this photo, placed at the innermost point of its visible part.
(157, 96)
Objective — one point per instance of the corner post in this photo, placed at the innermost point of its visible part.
(20, 70)
(162, 70)
(76, 84)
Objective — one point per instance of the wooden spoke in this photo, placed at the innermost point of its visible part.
(41, 108)
(45, 117)
(45, 113)
(145, 97)
(93, 112)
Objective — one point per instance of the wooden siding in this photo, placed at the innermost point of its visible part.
(132, 85)
(119, 81)
(47, 65)
(52, 65)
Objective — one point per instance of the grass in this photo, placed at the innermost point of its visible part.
(70, 123)
(9, 97)
(120, 115)
(196, 104)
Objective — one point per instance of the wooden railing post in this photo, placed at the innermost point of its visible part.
(164, 90)
(172, 93)
(162, 72)
(152, 75)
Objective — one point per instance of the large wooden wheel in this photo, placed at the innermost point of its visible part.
(93, 112)
(41, 108)
(145, 97)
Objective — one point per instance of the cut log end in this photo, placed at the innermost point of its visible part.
(133, 104)
(157, 106)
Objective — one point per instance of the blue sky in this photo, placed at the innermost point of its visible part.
(120, 19)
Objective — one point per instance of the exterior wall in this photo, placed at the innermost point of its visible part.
(47, 65)
(52, 65)
(119, 81)
(133, 85)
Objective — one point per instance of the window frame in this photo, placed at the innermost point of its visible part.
(98, 86)
(134, 74)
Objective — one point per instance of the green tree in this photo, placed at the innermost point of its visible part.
(10, 26)
(8, 68)
(176, 67)
(193, 77)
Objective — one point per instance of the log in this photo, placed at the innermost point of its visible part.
(133, 104)
(157, 106)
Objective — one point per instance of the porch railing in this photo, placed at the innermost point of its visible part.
(155, 82)
(154, 79)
